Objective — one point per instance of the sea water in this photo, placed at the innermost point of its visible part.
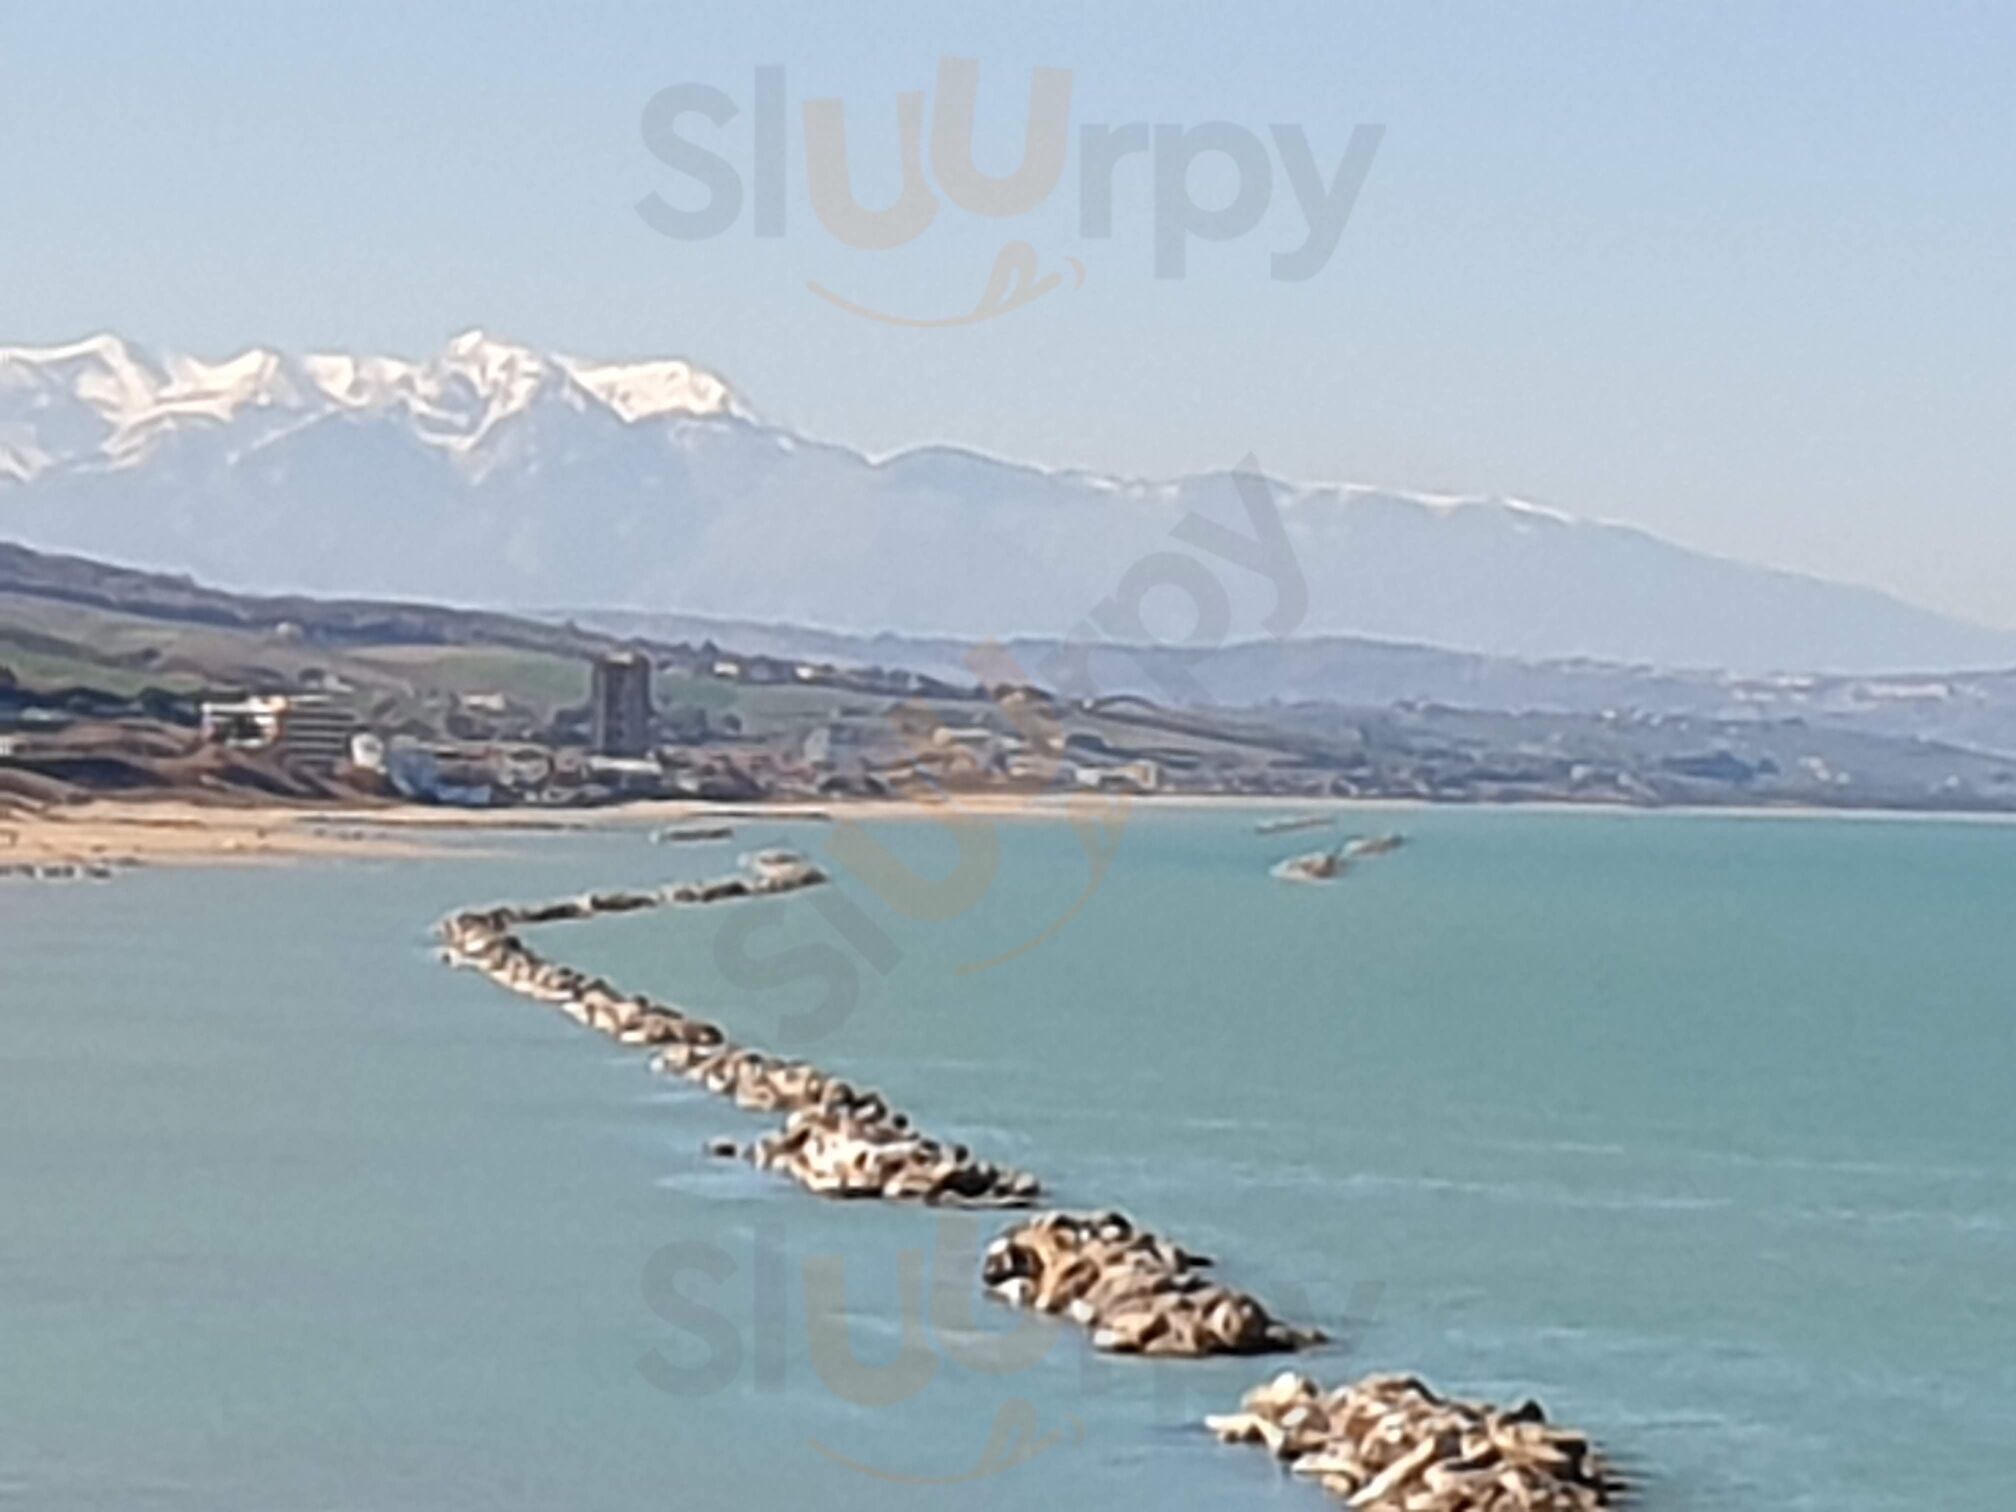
(1699, 1130)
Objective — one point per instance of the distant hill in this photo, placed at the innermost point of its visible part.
(1973, 709)
(94, 584)
(492, 474)
(69, 622)
(72, 619)
(117, 657)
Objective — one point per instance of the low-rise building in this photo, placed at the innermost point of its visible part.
(971, 737)
(1127, 777)
(367, 751)
(306, 730)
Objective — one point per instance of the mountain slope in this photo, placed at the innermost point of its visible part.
(493, 474)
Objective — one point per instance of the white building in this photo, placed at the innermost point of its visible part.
(1142, 776)
(367, 751)
(305, 730)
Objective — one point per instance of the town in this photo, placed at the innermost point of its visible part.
(803, 732)
(122, 683)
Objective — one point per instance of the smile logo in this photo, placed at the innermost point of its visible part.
(936, 169)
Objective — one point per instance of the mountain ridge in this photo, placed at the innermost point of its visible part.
(493, 474)
(137, 395)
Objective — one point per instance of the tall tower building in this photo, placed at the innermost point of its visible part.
(621, 701)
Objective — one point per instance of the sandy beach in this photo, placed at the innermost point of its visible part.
(169, 832)
(163, 831)
(173, 831)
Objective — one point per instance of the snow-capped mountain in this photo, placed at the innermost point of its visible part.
(495, 474)
(102, 404)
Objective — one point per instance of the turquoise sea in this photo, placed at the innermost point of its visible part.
(1701, 1130)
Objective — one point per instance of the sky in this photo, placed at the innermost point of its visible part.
(1736, 273)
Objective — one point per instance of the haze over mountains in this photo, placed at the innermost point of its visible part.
(493, 474)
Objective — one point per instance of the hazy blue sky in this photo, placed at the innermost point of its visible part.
(1740, 273)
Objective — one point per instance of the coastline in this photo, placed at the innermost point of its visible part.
(184, 831)
(179, 832)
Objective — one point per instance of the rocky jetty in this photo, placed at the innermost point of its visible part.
(1390, 1444)
(1329, 865)
(837, 1140)
(62, 871)
(1361, 846)
(1136, 1292)
(692, 834)
(1386, 1444)
(836, 1151)
(1288, 824)
(1316, 866)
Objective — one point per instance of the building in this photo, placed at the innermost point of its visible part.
(1025, 766)
(445, 774)
(367, 751)
(520, 768)
(971, 737)
(303, 730)
(1141, 776)
(621, 704)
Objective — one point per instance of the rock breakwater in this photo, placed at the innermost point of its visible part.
(62, 871)
(1136, 1292)
(1329, 865)
(837, 1140)
(1389, 1443)
(692, 834)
